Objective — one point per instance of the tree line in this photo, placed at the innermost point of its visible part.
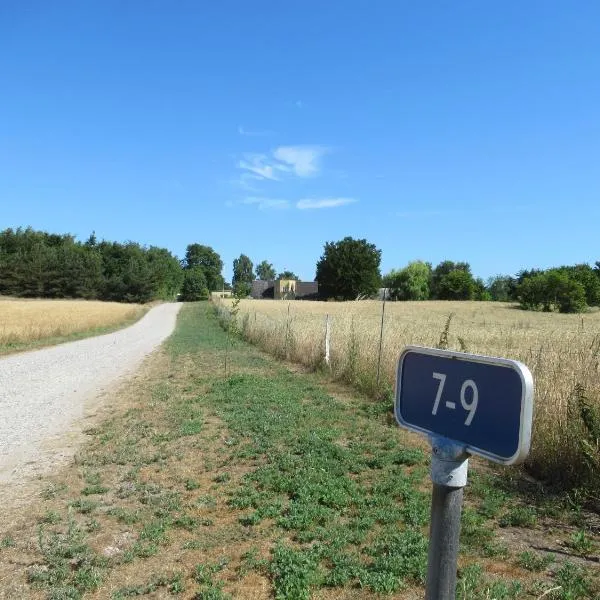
(37, 264)
(47, 265)
(349, 269)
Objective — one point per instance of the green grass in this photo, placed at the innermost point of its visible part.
(260, 471)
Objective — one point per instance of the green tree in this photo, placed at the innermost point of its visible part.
(288, 275)
(166, 273)
(194, 286)
(587, 277)
(563, 293)
(242, 276)
(265, 271)
(457, 285)
(480, 291)
(197, 255)
(348, 269)
(501, 288)
(552, 290)
(37, 263)
(410, 283)
(453, 281)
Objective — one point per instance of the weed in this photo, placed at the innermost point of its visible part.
(84, 506)
(174, 584)
(443, 341)
(222, 477)
(128, 517)
(472, 585)
(52, 491)
(90, 490)
(293, 572)
(533, 561)
(574, 581)
(50, 518)
(519, 516)
(582, 543)
(69, 564)
(7, 542)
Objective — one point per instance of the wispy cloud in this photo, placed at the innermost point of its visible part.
(299, 104)
(316, 203)
(266, 203)
(303, 160)
(254, 132)
(261, 166)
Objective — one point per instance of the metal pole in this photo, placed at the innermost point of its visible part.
(449, 467)
(381, 336)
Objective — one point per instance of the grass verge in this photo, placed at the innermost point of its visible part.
(263, 483)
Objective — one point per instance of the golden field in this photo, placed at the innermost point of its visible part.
(561, 351)
(25, 322)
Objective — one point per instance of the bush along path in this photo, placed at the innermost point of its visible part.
(252, 481)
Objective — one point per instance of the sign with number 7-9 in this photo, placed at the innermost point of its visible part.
(481, 402)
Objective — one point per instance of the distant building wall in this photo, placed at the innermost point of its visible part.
(260, 289)
(285, 289)
(307, 290)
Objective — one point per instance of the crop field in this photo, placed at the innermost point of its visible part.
(26, 323)
(562, 351)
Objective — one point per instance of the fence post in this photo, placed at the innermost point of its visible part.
(327, 339)
(287, 332)
(381, 336)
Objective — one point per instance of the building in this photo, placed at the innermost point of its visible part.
(285, 289)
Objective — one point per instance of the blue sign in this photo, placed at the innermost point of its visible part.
(482, 402)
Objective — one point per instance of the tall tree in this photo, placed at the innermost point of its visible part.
(194, 285)
(410, 283)
(453, 281)
(197, 255)
(242, 276)
(502, 288)
(348, 269)
(167, 275)
(265, 271)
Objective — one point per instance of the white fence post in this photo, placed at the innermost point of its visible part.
(327, 338)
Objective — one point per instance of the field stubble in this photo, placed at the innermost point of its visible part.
(562, 351)
(28, 322)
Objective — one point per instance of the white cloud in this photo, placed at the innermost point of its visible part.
(253, 133)
(303, 160)
(266, 203)
(313, 203)
(259, 165)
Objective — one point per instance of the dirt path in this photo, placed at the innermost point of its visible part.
(46, 395)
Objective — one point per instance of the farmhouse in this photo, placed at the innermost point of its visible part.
(285, 289)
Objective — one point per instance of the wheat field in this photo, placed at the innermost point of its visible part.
(25, 322)
(562, 352)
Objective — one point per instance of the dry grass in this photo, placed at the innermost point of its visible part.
(25, 322)
(561, 351)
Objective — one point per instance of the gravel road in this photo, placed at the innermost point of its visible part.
(43, 394)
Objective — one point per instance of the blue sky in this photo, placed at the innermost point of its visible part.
(462, 130)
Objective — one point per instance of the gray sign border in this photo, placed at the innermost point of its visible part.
(526, 399)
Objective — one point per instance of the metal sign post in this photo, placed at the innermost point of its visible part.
(467, 404)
